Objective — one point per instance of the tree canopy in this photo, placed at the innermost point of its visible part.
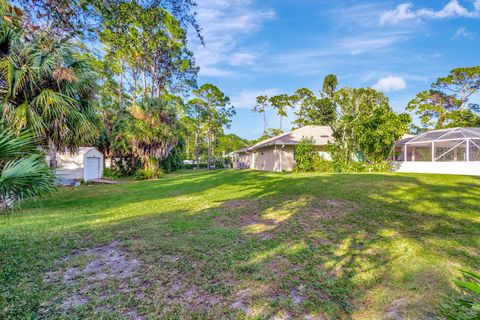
(448, 104)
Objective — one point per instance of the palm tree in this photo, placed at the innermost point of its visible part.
(44, 87)
(155, 129)
(23, 171)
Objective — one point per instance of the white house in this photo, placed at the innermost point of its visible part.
(278, 153)
(84, 164)
(445, 151)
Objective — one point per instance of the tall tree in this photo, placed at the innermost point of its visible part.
(46, 88)
(84, 18)
(218, 113)
(447, 104)
(197, 113)
(155, 129)
(317, 111)
(281, 103)
(366, 124)
(148, 43)
(261, 107)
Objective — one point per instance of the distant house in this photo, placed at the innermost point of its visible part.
(241, 159)
(84, 164)
(446, 151)
(277, 153)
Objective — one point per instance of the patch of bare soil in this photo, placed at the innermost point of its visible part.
(330, 209)
(396, 309)
(93, 271)
(184, 293)
(242, 301)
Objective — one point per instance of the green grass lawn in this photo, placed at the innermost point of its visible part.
(226, 244)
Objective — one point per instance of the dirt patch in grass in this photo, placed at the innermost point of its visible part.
(183, 293)
(330, 209)
(98, 274)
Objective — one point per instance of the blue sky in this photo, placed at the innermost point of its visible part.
(255, 47)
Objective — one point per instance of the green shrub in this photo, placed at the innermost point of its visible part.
(354, 166)
(320, 164)
(194, 166)
(112, 173)
(148, 173)
(468, 306)
(175, 160)
(305, 155)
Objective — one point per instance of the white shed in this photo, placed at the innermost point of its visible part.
(84, 164)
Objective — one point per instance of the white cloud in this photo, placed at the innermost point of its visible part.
(463, 33)
(247, 98)
(390, 83)
(223, 24)
(243, 58)
(452, 9)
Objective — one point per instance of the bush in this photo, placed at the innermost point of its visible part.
(175, 160)
(360, 166)
(466, 307)
(320, 164)
(147, 173)
(112, 173)
(194, 166)
(305, 155)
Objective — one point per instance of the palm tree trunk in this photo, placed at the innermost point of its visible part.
(52, 153)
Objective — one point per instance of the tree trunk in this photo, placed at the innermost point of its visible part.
(144, 76)
(197, 149)
(281, 118)
(111, 160)
(134, 94)
(52, 153)
(264, 122)
(214, 142)
(120, 94)
(132, 162)
(209, 146)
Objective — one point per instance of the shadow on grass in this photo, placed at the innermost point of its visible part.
(337, 246)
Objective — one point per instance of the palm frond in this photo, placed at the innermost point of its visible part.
(26, 177)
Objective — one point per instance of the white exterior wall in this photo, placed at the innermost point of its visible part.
(459, 167)
(72, 166)
(94, 153)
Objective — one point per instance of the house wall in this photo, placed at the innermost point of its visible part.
(242, 161)
(274, 158)
(459, 167)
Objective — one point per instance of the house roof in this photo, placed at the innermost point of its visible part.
(241, 150)
(80, 151)
(83, 150)
(457, 133)
(320, 134)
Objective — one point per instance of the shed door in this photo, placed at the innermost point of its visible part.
(92, 168)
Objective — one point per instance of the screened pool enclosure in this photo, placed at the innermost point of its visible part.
(446, 151)
(446, 145)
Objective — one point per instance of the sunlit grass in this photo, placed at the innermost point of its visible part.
(256, 245)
